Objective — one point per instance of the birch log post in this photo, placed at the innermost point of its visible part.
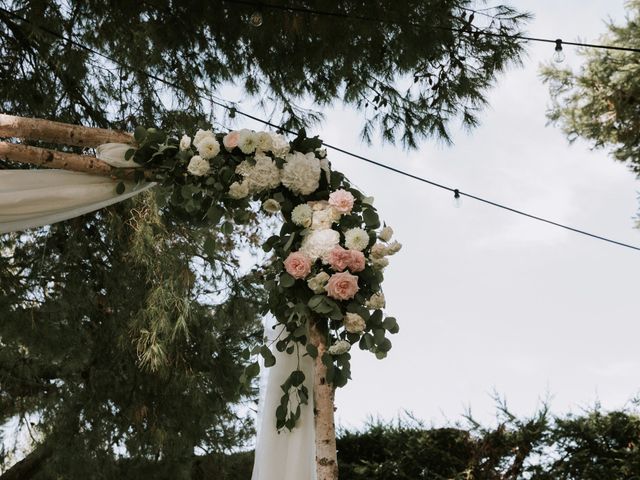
(324, 401)
(56, 132)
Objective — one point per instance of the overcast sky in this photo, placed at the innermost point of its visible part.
(489, 301)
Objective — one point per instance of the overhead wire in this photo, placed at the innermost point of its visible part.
(207, 97)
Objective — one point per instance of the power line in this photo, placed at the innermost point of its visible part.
(293, 8)
(206, 96)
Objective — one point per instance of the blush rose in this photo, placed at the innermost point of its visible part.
(342, 286)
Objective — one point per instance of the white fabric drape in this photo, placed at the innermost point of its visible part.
(289, 455)
(32, 198)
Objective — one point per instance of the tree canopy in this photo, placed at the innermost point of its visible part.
(412, 67)
(599, 102)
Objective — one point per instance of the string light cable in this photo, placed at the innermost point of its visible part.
(457, 193)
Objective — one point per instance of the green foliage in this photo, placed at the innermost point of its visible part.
(412, 72)
(599, 102)
(115, 342)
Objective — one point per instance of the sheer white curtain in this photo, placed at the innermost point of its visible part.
(32, 198)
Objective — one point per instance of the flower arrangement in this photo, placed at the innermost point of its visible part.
(328, 258)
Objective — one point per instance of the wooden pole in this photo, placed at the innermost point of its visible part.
(324, 402)
(66, 161)
(56, 132)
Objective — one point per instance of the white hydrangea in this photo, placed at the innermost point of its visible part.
(263, 141)
(319, 243)
(302, 215)
(271, 206)
(238, 190)
(376, 301)
(356, 239)
(340, 347)
(354, 323)
(185, 142)
(208, 147)
(201, 135)
(301, 173)
(247, 141)
(198, 166)
(279, 145)
(264, 175)
(385, 234)
(317, 283)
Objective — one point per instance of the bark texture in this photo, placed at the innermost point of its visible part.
(324, 401)
(56, 132)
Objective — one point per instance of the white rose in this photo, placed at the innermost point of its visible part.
(394, 247)
(379, 263)
(279, 145)
(238, 190)
(263, 141)
(271, 206)
(247, 141)
(319, 243)
(301, 173)
(317, 283)
(378, 251)
(302, 215)
(198, 166)
(356, 239)
(323, 219)
(385, 234)
(340, 347)
(185, 142)
(201, 135)
(208, 147)
(376, 301)
(354, 323)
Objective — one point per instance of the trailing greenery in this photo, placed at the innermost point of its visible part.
(411, 67)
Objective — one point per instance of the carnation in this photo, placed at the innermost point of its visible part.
(378, 250)
(247, 141)
(319, 243)
(185, 142)
(230, 140)
(271, 206)
(356, 239)
(394, 247)
(198, 166)
(385, 234)
(201, 135)
(318, 282)
(342, 286)
(208, 147)
(302, 215)
(379, 263)
(263, 141)
(354, 323)
(342, 201)
(279, 145)
(325, 218)
(301, 173)
(238, 190)
(376, 301)
(340, 347)
(298, 265)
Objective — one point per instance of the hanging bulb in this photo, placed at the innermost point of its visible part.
(558, 55)
(255, 20)
(457, 199)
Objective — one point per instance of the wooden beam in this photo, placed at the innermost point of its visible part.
(324, 404)
(62, 160)
(56, 132)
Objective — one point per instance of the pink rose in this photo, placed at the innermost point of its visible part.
(342, 286)
(230, 140)
(298, 265)
(339, 258)
(342, 201)
(356, 261)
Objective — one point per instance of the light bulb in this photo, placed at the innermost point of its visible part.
(457, 199)
(558, 54)
(255, 20)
